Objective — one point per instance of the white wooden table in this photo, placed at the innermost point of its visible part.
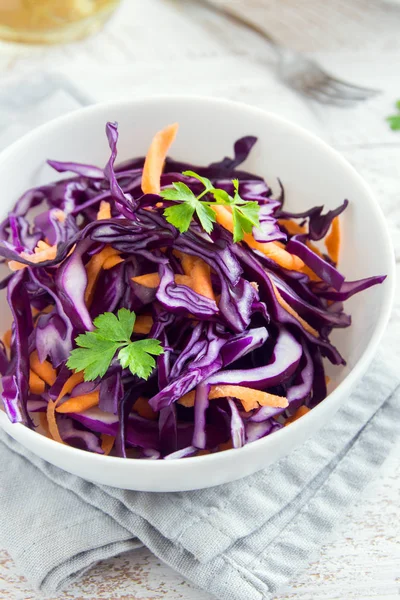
(171, 46)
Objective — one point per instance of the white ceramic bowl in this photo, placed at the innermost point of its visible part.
(311, 172)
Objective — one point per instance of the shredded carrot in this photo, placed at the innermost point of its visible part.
(74, 380)
(93, 269)
(36, 384)
(42, 252)
(155, 158)
(44, 370)
(292, 312)
(143, 408)
(270, 249)
(300, 412)
(107, 443)
(52, 422)
(203, 452)
(152, 280)
(112, 262)
(201, 279)
(292, 227)
(43, 424)
(143, 324)
(104, 211)
(225, 446)
(79, 404)
(249, 398)
(6, 339)
(327, 380)
(332, 241)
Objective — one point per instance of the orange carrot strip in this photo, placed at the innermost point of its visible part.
(327, 379)
(36, 385)
(292, 312)
(42, 252)
(249, 398)
(44, 370)
(201, 279)
(107, 443)
(79, 404)
(292, 227)
(93, 269)
(104, 211)
(6, 339)
(112, 262)
(152, 280)
(155, 158)
(143, 408)
(74, 380)
(52, 422)
(143, 324)
(225, 446)
(270, 249)
(332, 241)
(300, 412)
(43, 424)
(184, 280)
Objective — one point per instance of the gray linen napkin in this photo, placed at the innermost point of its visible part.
(241, 540)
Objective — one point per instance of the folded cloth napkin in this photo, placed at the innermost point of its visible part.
(240, 540)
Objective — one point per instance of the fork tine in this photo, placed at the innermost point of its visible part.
(321, 96)
(346, 85)
(331, 87)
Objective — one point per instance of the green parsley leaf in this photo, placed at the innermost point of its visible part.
(93, 361)
(179, 193)
(116, 329)
(206, 182)
(206, 216)
(137, 357)
(245, 214)
(98, 348)
(398, 104)
(394, 122)
(180, 215)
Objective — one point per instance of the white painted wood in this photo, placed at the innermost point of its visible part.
(171, 45)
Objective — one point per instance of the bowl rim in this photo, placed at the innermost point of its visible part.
(349, 380)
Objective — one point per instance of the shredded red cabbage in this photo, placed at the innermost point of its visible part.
(246, 336)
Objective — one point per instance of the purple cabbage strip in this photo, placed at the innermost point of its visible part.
(285, 358)
(321, 267)
(200, 409)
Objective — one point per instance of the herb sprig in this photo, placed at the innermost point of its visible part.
(394, 120)
(113, 333)
(245, 214)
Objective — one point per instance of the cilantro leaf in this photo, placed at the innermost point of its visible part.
(96, 349)
(137, 357)
(394, 122)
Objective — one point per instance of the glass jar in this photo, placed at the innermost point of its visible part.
(52, 21)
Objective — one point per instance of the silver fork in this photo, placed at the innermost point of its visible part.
(299, 72)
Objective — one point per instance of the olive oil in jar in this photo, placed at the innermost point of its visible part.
(52, 21)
